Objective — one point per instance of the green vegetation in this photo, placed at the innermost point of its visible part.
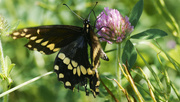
(153, 76)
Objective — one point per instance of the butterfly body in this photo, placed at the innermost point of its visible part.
(72, 64)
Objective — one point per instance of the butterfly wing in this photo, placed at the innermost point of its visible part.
(48, 39)
(96, 50)
(72, 62)
(72, 65)
(75, 68)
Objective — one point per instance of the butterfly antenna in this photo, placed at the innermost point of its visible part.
(73, 12)
(92, 10)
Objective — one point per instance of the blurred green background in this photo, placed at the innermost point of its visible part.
(29, 64)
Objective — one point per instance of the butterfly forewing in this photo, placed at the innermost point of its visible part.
(48, 39)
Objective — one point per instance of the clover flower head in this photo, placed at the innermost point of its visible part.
(113, 26)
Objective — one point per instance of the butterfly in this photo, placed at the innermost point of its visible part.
(72, 64)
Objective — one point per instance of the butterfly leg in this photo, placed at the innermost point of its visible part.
(86, 90)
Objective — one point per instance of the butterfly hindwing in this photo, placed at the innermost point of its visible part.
(48, 39)
(72, 65)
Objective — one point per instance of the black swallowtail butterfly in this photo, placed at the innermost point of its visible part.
(72, 63)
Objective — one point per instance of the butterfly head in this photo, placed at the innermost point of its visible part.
(86, 25)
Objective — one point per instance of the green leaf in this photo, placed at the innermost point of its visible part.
(129, 55)
(150, 34)
(8, 66)
(7, 63)
(136, 13)
(1, 76)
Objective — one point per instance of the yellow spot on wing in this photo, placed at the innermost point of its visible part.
(74, 71)
(70, 67)
(35, 49)
(27, 36)
(25, 30)
(61, 75)
(51, 46)
(56, 49)
(97, 90)
(66, 61)
(83, 70)
(78, 71)
(44, 43)
(38, 41)
(38, 31)
(33, 38)
(74, 63)
(23, 34)
(42, 52)
(97, 83)
(56, 67)
(61, 56)
(29, 46)
(16, 33)
(68, 83)
(90, 72)
(14, 37)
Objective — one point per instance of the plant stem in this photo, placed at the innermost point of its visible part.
(118, 73)
(132, 83)
(118, 61)
(25, 83)
(170, 20)
(175, 90)
(2, 58)
(5, 88)
(4, 82)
